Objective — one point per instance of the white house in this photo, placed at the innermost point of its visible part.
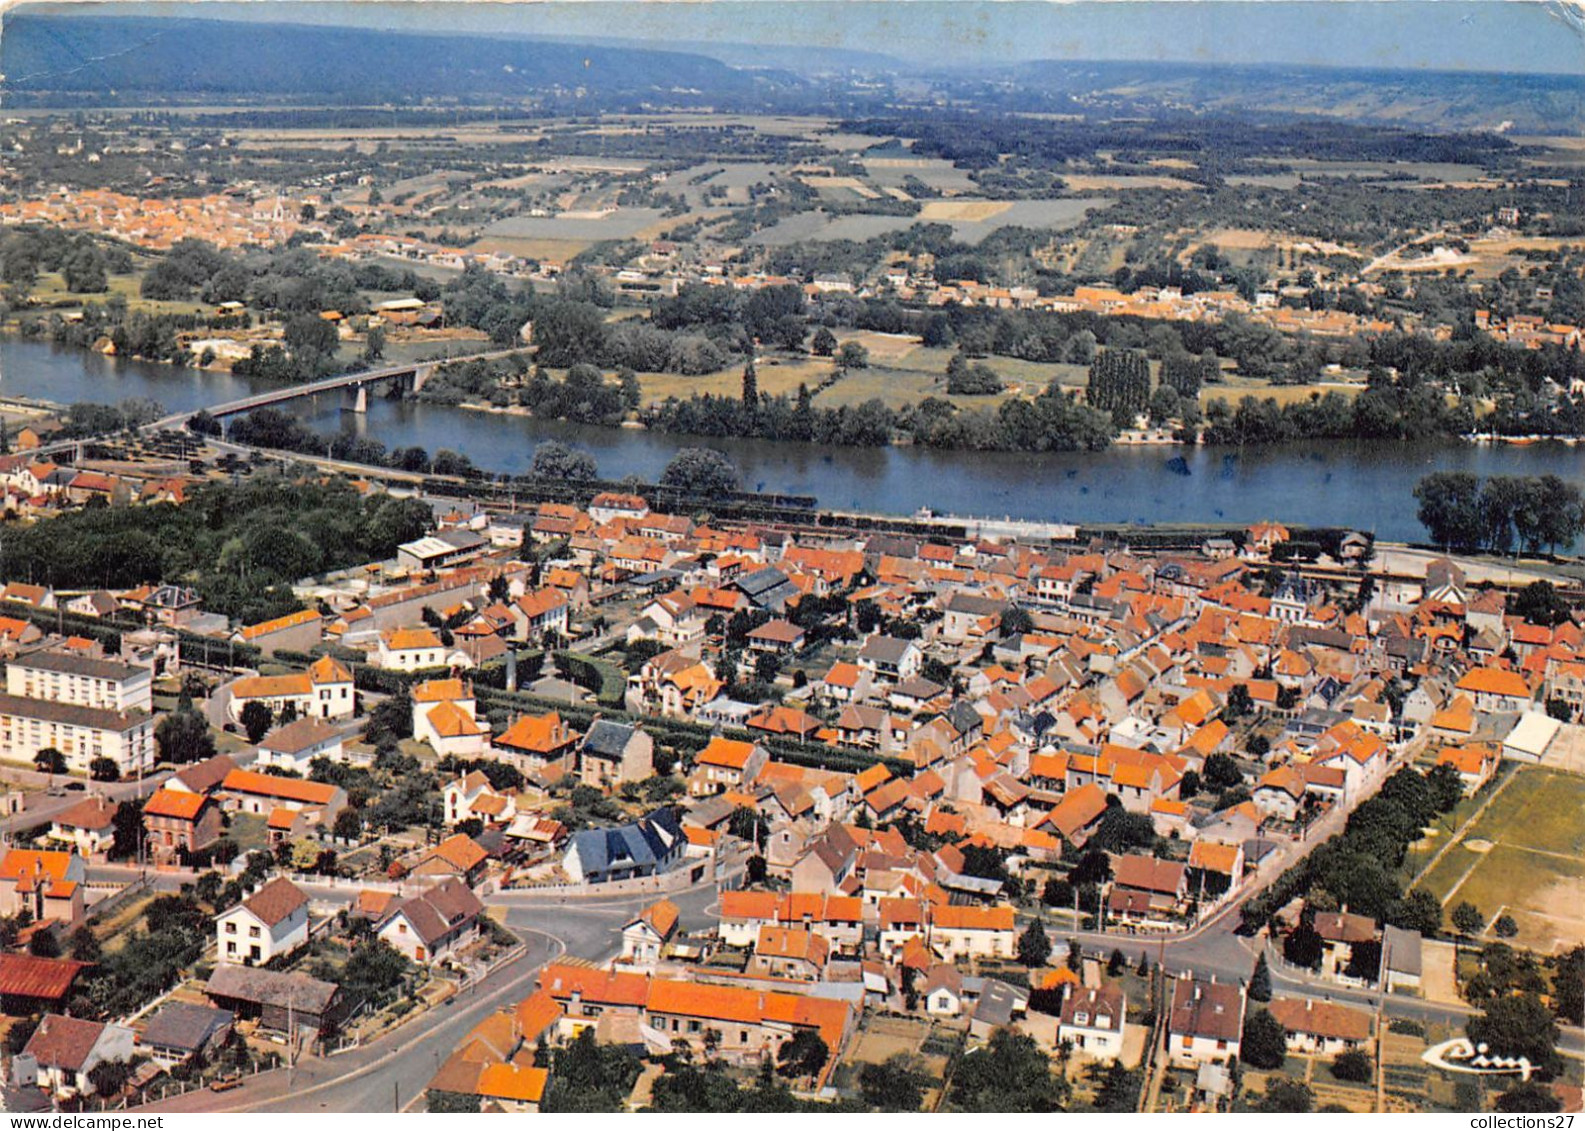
(410, 650)
(1321, 1028)
(272, 921)
(295, 745)
(471, 796)
(1206, 1023)
(81, 734)
(646, 934)
(65, 1050)
(434, 925)
(1092, 1019)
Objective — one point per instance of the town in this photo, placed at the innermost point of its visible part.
(1240, 820)
(1026, 563)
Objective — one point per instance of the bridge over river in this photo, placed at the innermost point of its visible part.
(408, 377)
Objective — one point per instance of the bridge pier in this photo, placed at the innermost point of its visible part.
(355, 398)
(421, 376)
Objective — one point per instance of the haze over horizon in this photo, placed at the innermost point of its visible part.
(1516, 36)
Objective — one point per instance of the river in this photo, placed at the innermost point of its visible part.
(1363, 484)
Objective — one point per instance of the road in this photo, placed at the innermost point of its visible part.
(390, 1073)
(41, 808)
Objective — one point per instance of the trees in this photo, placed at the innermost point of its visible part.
(1517, 1025)
(1119, 383)
(805, 1055)
(1016, 621)
(1528, 1097)
(971, 378)
(1467, 919)
(1010, 1073)
(183, 737)
(555, 460)
(1356, 1066)
(1568, 985)
(311, 341)
(1539, 603)
(896, 1084)
(701, 471)
(257, 718)
(1285, 1094)
(128, 831)
(1033, 945)
(824, 343)
(374, 344)
(49, 761)
(853, 355)
(1260, 980)
(104, 769)
(750, 386)
(1460, 512)
(109, 1076)
(1418, 911)
(1264, 1043)
(374, 973)
(588, 1076)
(1450, 508)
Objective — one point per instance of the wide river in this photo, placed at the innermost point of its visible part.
(1364, 484)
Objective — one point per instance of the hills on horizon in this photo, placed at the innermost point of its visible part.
(62, 58)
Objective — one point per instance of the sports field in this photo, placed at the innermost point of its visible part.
(1524, 856)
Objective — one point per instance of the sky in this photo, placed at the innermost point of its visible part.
(1481, 35)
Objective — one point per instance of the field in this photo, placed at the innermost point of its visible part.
(902, 373)
(1524, 856)
(971, 220)
(620, 224)
(776, 376)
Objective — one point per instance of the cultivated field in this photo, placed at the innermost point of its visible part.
(1524, 856)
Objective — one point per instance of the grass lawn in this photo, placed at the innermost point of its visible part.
(51, 288)
(248, 831)
(1535, 865)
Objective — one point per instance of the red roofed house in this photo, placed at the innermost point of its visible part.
(48, 885)
(646, 934)
(272, 921)
(726, 764)
(177, 821)
(250, 792)
(88, 827)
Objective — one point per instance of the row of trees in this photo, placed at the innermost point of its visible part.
(1462, 512)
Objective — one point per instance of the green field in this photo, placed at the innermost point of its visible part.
(1535, 867)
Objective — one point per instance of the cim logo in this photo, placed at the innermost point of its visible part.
(1459, 1055)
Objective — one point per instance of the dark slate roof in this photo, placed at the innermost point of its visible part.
(964, 718)
(767, 588)
(184, 1026)
(607, 739)
(645, 842)
(761, 580)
